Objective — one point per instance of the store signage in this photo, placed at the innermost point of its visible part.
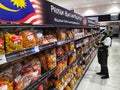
(90, 23)
(39, 12)
(60, 16)
(114, 16)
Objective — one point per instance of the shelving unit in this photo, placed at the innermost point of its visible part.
(75, 61)
(11, 57)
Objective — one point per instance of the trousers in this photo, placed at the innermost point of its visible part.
(102, 60)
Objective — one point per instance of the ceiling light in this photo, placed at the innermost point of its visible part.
(114, 9)
(89, 12)
(114, 1)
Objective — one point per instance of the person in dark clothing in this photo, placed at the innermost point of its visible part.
(103, 55)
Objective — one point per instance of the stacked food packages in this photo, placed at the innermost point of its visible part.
(79, 72)
(67, 76)
(60, 67)
(61, 50)
(11, 41)
(64, 34)
(21, 74)
(28, 39)
(72, 82)
(48, 59)
(67, 88)
(72, 58)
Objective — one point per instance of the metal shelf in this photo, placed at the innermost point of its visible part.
(10, 57)
(59, 43)
(40, 80)
(85, 36)
(42, 26)
(38, 26)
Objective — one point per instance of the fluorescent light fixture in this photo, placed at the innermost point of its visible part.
(114, 9)
(114, 14)
(89, 12)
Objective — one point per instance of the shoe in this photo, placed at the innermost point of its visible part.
(99, 73)
(105, 77)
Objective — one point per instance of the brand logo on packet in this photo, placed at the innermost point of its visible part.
(30, 36)
(1, 42)
(16, 38)
(3, 87)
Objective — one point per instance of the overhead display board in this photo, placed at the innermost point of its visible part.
(39, 12)
(55, 14)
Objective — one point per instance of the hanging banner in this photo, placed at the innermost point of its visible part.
(60, 16)
(89, 22)
(39, 12)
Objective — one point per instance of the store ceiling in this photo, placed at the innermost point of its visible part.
(75, 4)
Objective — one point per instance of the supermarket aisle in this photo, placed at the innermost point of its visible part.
(91, 81)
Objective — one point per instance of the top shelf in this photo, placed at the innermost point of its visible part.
(41, 26)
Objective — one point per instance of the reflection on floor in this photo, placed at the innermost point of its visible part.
(91, 81)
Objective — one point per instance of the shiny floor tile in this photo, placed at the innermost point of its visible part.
(89, 86)
(109, 88)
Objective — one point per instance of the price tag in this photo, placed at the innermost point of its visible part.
(61, 42)
(74, 50)
(2, 59)
(36, 48)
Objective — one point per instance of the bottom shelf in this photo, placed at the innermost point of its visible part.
(85, 70)
(35, 84)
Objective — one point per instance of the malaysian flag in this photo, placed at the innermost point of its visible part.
(22, 11)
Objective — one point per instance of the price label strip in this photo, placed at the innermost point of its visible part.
(2, 59)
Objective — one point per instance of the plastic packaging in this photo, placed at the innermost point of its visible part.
(2, 51)
(13, 42)
(28, 39)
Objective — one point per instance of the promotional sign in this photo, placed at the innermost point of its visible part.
(22, 11)
(39, 12)
(89, 22)
(59, 16)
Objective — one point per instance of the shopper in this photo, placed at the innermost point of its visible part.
(110, 33)
(103, 55)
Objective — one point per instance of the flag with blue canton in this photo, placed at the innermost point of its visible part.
(14, 10)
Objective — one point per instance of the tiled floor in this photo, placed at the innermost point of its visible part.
(91, 81)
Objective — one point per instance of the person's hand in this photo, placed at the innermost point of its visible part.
(95, 45)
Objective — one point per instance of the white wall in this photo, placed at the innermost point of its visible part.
(99, 10)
